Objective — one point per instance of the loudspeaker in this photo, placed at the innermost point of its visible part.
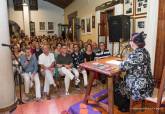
(119, 28)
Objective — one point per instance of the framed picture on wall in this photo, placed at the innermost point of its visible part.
(141, 7)
(42, 25)
(128, 7)
(140, 24)
(83, 28)
(50, 26)
(93, 21)
(88, 25)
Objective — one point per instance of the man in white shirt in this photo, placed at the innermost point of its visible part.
(47, 61)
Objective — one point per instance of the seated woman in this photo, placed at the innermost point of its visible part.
(138, 82)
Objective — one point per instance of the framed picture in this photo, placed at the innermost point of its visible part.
(141, 7)
(18, 5)
(140, 24)
(93, 21)
(128, 7)
(33, 4)
(50, 26)
(83, 28)
(42, 25)
(88, 25)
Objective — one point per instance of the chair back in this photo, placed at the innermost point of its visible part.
(161, 88)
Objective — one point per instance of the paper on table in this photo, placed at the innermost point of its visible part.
(115, 62)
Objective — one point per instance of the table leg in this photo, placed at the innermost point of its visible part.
(88, 91)
(110, 95)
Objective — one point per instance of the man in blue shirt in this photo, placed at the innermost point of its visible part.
(30, 68)
(102, 51)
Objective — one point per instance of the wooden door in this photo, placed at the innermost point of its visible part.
(160, 46)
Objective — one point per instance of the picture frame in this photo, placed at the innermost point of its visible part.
(128, 7)
(42, 25)
(93, 22)
(50, 26)
(140, 24)
(141, 7)
(83, 26)
(88, 25)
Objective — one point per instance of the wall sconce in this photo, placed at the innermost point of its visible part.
(25, 2)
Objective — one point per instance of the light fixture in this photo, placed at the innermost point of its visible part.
(24, 3)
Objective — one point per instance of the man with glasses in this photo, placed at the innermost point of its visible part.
(102, 53)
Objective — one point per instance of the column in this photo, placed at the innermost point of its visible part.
(151, 28)
(7, 94)
(26, 18)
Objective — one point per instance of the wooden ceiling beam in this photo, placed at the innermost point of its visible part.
(61, 3)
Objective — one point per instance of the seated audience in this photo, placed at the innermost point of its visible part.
(64, 63)
(47, 62)
(102, 51)
(101, 54)
(78, 58)
(95, 47)
(30, 67)
(89, 55)
(38, 50)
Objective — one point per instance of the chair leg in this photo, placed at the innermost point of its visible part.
(143, 105)
(157, 111)
(131, 106)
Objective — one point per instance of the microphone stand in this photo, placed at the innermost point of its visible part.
(125, 47)
(19, 100)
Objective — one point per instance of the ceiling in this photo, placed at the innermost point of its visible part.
(61, 3)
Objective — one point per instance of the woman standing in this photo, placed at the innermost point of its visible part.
(138, 82)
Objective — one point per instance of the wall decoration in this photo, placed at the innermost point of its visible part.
(83, 28)
(140, 24)
(42, 25)
(128, 7)
(33, 4)
(141, 7)
(88, 25)
(93, 21)
(50, 26)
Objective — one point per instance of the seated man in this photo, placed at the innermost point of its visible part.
(102, 51)
(46, 61)
(30, 67)
(64, 63)
(101, 54)
(78, 58)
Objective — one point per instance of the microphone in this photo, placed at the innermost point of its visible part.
(125, 47)
(7, 45)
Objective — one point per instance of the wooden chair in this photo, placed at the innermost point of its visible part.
(158, 96)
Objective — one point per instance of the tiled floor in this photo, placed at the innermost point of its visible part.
(60, 102)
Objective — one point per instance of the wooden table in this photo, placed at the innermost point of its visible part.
(110, 70)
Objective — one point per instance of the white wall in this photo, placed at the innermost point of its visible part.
(46, 12)
(151, 28)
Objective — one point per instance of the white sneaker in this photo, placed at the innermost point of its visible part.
(77, 81)
(67, 93)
